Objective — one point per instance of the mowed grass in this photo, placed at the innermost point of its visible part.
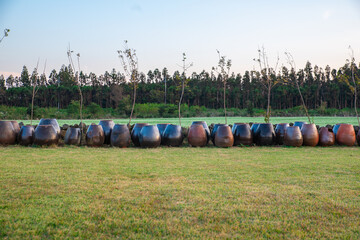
(322, 121)
(202, 193)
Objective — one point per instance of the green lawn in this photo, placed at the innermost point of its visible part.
(245, 193)
(322, 121)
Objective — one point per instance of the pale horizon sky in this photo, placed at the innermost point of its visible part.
(318, 31)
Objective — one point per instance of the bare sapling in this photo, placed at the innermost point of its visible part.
(34, 81)
(185, 67)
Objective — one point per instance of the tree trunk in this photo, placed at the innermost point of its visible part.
(181, 97)
(133, 105)
(225, 101)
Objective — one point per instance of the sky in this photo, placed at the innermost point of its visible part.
(318, 31)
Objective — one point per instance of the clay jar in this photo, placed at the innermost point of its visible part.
(242, 134)
(120, 136)
(299, 124)
(45, 135)
(336, 128)
(234, 127)
(95, 136)
(293, 137)
(326, 137)
(72, 136)
(310, 135)
(50, 121)
(7, 133)
(172, 136)
(162, 127)
(135, 133)
(346, 135)
(212, 135)
(197, 136)
(280, 132)
(107, 126)
(253, 129)
(207, 130)
(224, 136)
(16, 129)
(150, 137)
(26, 135)
(265, 134)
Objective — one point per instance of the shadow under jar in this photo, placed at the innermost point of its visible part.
(7, 133)
(172, 136)
(26, 135)
(243, 135)
(224, 137)
(162, 127)
(346, 135)
(50, 121)
(265, 134)
(107, 126)
(207, 130)
(150, 137)
(45, 135)
(197, 136)
(213, 132)
(293, 137)
(280, 132)
(95, 136)
(72, 136)
(326, 137)
(310, 135)
(135, 133)
(120, 136)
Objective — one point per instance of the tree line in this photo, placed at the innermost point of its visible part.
(327, 87)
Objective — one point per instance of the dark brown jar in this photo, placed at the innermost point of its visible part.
(95, 136)
(213, 132)
(253, 129)
(16, 129)
(346, 135)
(326, 137)
(280, 132)
(234, 127)
(173, 136)
(150, 137)
(224, 137)
(135, 133)
(265, 134)
(50, 121)
(107, 126)
(46, 135)
(293, 137)
(120, 136)
(310, 134)
(7, 133)
(72, 136)
(243, 135)
(162, 127)
(26, 135)
(197, 136)
(207, 130)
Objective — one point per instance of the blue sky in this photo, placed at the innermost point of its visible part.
(319, 31)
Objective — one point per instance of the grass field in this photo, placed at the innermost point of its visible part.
(245, 193)
(322, 121)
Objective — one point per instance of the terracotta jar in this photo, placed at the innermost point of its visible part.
(150, 137)
(310, 135)
(235, 125)
(253, 129)
(120, 136)
(224, 137)
(299, 124)
(72, 136)
(346, 135)
(207, 130)
(107, 126)
(197, 136)
(213, 132)
(26, 135)
(265, 134)
(326, 137)
(243, 135)
(162, 127)
(95, 136)
(280, 132)
(7, 133)
(172, 136)
(135, 133)
(293, 137)
(50, 121)
(336, 128)
(46, 135)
